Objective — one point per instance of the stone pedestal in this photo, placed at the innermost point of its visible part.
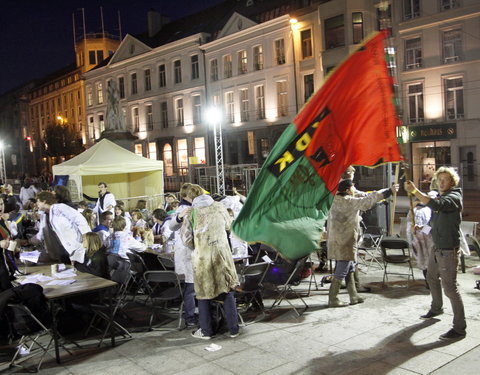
(122, 138)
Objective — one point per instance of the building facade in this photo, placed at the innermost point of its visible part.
(258, 65)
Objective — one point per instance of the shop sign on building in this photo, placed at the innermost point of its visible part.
(432, 132)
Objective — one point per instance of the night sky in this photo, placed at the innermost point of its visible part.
(37, 35)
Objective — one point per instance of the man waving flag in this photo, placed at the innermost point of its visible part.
(351, 119)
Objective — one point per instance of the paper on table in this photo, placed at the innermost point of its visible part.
(36, 278)
(30, 256)
(60, 282)
(66, 274)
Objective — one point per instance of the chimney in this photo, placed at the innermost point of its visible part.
(155, 21)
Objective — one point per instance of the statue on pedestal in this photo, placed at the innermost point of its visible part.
(115, 120)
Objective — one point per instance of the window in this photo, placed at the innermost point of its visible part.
(197, 109)
(454, 98)
(135, 120)
(384, 18)
(415, 102)
(168, 159)
(413, 53)
(91, 127)
(214, 70)
(334, 32)
(182, 156)
(260, 102)
(91, 58)
(282, 99)
(134, 83)
(411, 9)
(99, 56)
(308, 85)
(101, 123)
(306, 40)
(121, 87)
(149, 116)
(449, 4)
(242, 62)
(179, 112)
(139, 149)
(164, 114)
(227, 66)
(89, 96)
(148, 80)
(357, 26)
(244, 105)
(99, 93)
(257, 58)
(199, 150)
(280, 51)
(177, 67)
(229, 107)
(152, 150)
(195, 68)
(162, 80)
(452, 46)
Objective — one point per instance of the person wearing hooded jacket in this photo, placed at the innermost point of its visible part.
(183, 258)
(343, 226)
(214, 271)
(443, 260)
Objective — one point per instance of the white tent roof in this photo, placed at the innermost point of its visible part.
(106, 157)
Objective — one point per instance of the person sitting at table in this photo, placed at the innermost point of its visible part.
(95, 257)
(63, 196)
(120, 211)
(62, 229)
(142, 207)
(204, 230)
(7, 248)
(137, 220)
(91, 217)
(161, 230)
(122, 242)
(103, 229)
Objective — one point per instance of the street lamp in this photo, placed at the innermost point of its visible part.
(214, 117)
(3, 171)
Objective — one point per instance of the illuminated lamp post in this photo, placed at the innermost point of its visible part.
(3, 171)
(214, 117)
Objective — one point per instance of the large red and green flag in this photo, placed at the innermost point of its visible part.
(351, 119)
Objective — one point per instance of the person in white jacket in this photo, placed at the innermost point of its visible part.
(183, 258)
(121, 242)
(27, 192)
(106, 200)
(61, 229)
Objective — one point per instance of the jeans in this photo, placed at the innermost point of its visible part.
(231, 315)
(343, 268)
(189, 303)
(442, 266)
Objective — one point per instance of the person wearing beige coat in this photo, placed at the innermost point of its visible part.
(214, 271)
(343, 228)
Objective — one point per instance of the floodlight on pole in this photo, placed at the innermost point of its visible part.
(214, 116)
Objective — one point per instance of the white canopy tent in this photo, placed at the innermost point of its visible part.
(126, 174)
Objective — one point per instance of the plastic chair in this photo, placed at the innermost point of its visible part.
(120, 272)
(164, 287)
(396, 251)
(137, 269)
(251, 288)
(32, 330)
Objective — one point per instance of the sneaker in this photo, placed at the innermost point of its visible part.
(452, 335)
(233, 335)
(198, 334)
(430, 314)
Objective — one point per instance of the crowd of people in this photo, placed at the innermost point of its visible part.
(197, 228)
